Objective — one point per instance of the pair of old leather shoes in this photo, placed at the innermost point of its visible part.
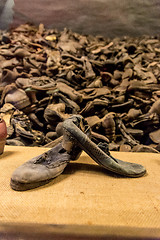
(76, 137)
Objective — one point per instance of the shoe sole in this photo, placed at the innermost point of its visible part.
(19, 186)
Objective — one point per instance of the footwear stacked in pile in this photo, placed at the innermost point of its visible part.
(47, 75)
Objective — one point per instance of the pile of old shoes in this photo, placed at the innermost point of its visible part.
(50, 75)
(76, 137)
(19, 128)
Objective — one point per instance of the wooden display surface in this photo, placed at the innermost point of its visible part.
(83, 195)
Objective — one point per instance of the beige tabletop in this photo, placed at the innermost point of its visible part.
(83, 194)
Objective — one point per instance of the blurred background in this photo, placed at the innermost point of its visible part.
(110, 18)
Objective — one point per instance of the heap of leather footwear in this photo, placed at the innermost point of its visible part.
(91, 75)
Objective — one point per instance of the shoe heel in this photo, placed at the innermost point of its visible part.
(2, 144)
